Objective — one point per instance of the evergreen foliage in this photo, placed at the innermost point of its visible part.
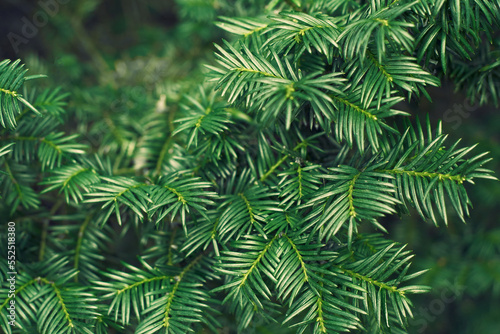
(257, 193)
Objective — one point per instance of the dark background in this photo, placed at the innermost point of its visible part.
(129, 48)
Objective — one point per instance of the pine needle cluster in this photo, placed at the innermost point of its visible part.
(252, 194)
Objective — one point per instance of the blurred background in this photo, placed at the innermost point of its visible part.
(118, 58)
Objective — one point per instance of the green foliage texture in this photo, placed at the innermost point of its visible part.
(253, 192)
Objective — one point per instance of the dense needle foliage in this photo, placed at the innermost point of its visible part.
(258, 187)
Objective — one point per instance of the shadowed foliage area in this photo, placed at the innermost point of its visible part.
(251, 166)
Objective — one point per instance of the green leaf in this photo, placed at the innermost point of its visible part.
(11, 81)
